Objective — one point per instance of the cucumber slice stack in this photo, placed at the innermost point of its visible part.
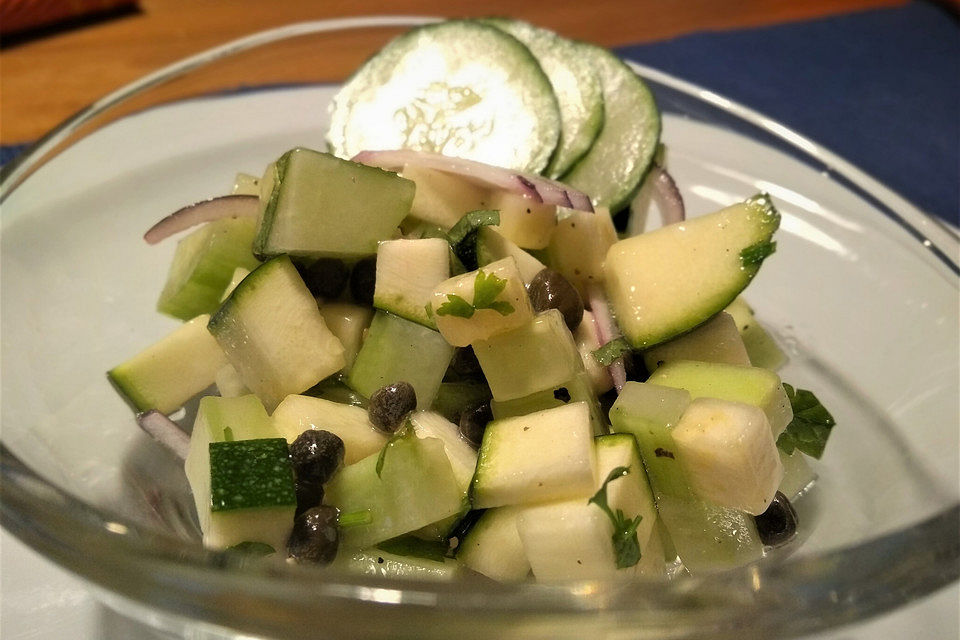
(506, 93)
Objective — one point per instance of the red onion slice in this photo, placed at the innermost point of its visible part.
(660, 189)
(165, 431)
(607, 330)
(233, 206)
(533, 186)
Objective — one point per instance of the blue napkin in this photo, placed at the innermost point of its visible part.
(880, 88)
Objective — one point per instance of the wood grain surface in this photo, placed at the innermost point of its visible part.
(45, 77)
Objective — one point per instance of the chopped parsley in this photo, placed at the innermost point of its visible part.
(463, 236)
(613, 350)
(486, 288)
(757, 253)
(626, 546)
(811, 424)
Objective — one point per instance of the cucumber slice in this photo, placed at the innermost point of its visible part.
(760, 345)
(716, 340)
(415, 487)
(399, 350)
(379, 563)
(322, 206)
(493, 246)
(668, 281)
(542, 456)
(706, 536)
(736, 383)
(611, 171)
(579, 246)
(168, 373)
(577, 389)
(253, 498)
(539, 355)
(458, 87)
(493, 546)
(351, 424)
(574, 81)
(242, 418)
(407, 273)
(273, 333)
(348, 322)
(203, 266)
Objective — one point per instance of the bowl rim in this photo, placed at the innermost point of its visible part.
(145, 565)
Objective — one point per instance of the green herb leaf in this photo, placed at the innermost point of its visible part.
(611, 351)
(412, 547)
(810, 427)
(626, 546)
(486, 288)
(252, 548)
(355, 518)
(429, 310)
(502, 307)
(228, 434)
(463, 235)
(757, 253)
(456, 306)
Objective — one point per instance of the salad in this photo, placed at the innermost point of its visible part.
(446, 346)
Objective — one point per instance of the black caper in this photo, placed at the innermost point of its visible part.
(316, 455)
(390, 404)
(778, 524)
(309, 495)
(473, 422)
(326, 278)
(465, 363)
(550, 290)
(315, 536)
(363, 278)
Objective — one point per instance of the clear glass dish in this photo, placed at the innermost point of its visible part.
(862, 293)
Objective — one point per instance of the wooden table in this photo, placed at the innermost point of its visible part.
(45, 79)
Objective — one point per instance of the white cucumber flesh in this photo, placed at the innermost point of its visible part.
(493, 546)
(716, 340)
(407, 273)
(297, 414)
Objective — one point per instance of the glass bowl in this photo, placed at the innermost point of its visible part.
(862, 294)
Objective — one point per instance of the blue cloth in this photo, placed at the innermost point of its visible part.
(880, 88)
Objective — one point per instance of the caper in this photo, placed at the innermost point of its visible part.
(316, 455)
(550, 290)
(778, 524)
(363, 278)
(326, 278)
(390, 404)
(315, 536)
(473, 422)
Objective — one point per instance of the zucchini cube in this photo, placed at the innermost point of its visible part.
(407, 273)
(716, 340)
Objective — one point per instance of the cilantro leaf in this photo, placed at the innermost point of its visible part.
(456, 306)
(626, 546)
(811, 424)
(413, 547)
(757, 253)
(611, 351)
(502, 307)
(486, 288)
(463, 236)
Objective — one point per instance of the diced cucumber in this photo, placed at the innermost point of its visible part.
(720, 253)
(246, 185)
(347, 321)
(612, 169)
(728, 454)
(415, 487)
(253, 498)
(716, 340)
(493, 246)
(379, 563)
(241, 418)
(465, 315)
(273, 333)
(575, 84)
(546, 455)
(463, 457)
(652, 564)
(536, 356)
(493, 546)
(460, 88)
(297, 414)
(334, 390)
(322, 206)
(523, 221)
(238, 275)
(737, 383)
(203, 265)
(567, 540)
(587, 342)
(760, 345)
(579, 246)
(577, 389)
(229, 382)
(407, 273)
(168, 373)
(454, 397)
(631, 494)
(443, 198)
(798, 476)
(399, 350)
(706, 536)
